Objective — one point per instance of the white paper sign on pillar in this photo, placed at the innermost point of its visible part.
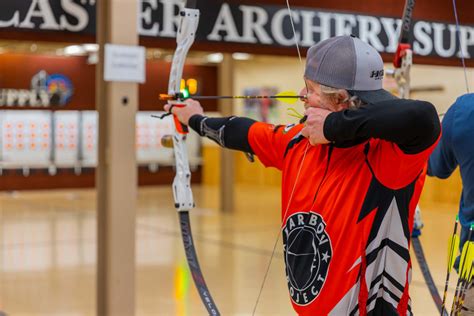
(124, 63)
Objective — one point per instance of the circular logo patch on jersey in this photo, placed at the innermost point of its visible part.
(308, 251)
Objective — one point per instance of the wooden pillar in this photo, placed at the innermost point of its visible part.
(116, 179)
(226, 87)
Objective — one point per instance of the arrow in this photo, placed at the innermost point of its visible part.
(464, 255)
(289, 97)
(466, 274)
(453, 245)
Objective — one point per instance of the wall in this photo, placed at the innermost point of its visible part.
(17, 69)
(450, 78)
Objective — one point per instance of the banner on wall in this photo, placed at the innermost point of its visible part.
(226, 22)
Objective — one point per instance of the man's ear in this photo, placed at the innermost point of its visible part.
(342, 97)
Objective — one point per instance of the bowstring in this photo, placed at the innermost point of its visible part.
(278, 233)
(296, 42)
(458, 33)
(458, 37)
(298, 173)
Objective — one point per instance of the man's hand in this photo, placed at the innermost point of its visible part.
(314, 125)
(186, 110)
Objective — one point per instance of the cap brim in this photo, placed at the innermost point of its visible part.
(373, 96)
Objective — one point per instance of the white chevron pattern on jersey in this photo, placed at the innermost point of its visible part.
(385, 273)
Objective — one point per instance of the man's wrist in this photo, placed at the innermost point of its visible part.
(330, 126)
(195, 123)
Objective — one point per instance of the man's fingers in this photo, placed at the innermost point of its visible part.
(305, 132)
(170, 107)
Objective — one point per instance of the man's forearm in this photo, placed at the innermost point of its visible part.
(230, 132)
(412, 125)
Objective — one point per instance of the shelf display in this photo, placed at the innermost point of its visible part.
(69, 139)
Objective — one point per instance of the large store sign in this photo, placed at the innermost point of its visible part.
(55, 15)
(46, 90)
(246, 24)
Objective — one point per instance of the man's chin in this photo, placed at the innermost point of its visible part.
(321, 107)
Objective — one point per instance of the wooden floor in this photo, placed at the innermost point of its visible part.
(48, 253)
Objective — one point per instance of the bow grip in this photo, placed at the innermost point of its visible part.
(180, 127)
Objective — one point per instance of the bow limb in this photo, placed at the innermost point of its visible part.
(458, 300)
(463, 59)
(402, 62)
(183, 195)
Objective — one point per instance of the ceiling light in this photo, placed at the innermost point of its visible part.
(215, 58)
(74, 50)
(91, 48)
(93, 59)
(241, 56)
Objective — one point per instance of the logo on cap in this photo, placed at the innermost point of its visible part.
(377, 74)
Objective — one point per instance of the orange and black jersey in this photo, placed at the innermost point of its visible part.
(347, 207)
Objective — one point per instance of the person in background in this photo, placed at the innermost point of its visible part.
(456, 148)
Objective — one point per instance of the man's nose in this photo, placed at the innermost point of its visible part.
(303, 92)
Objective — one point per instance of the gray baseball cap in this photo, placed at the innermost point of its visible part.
(346, 62)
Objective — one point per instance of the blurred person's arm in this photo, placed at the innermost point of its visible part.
(443, 161)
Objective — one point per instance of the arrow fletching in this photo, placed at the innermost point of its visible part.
(294, 113)
(289, 97)
(453, 245)
(471, 273)
(467, 255)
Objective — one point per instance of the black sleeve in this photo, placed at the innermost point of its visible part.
(412, 125)
(229, 132)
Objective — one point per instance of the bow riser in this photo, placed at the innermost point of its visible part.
(184, 39)
(402, 74)
(183, 196)
(403, 56)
